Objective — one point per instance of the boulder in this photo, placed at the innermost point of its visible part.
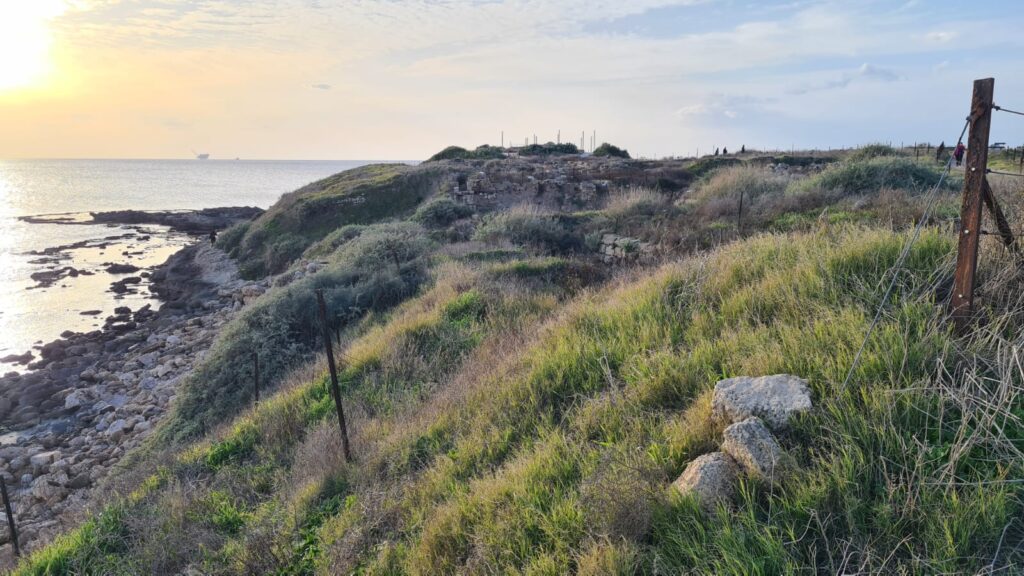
(43, 459)
(774, 399)
(48, 489)
(710, 478)
(76, 399)
(753, 447)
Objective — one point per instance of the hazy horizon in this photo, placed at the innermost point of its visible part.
(301, 79)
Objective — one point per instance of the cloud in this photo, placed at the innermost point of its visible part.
(940, 36)
(866, 72)
(321, 86)
(718, 105)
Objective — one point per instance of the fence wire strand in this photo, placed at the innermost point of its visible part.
(1001, 109)
(991, 171)
(901, 260)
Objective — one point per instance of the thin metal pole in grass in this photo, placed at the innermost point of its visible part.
(335, 390)
(256, 377)
(10, 517)
(739, 215)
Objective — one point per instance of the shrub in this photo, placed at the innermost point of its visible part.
(230, 239)
(374, 271)
(705, 166)
(334, 240)
(635, 200)
(364, 195)
(873, 151)
(530, 226)
(459, 153)
(441, 212)
(873, 175)
(606, 149)
(548, 149)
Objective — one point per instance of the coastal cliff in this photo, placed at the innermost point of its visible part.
(565, 364)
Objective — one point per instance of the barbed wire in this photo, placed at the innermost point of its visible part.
(991, 171)
(929, 205)
(1001, 109)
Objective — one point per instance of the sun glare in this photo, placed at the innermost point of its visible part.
(25, 41)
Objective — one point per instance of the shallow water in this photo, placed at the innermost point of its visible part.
(30, 315)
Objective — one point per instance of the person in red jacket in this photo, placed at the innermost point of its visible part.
(958, 153)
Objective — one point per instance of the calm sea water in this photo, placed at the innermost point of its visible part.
(30, 315)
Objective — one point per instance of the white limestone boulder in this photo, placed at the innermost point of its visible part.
(710, 478)
(774, 399)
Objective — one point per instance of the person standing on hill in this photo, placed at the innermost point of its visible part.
(213, 236)
(958, 153)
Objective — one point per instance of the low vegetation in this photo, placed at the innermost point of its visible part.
(364, 195)
(484, 152)
(517, 406)
(606, 149)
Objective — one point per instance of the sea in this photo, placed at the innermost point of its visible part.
(33, 311)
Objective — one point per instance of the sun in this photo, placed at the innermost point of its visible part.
(25, 41)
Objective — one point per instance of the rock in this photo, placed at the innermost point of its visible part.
(45, 490)
(117, 429)
(773, 399)
(18, 358)
(122, 269)
(75, 400)
(710, 478)
(753, 447)
(149, 360)
(80, 481)
(122, 310)
(43, 459)
(173, 340)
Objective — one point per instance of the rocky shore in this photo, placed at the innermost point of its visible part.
(191, 221)
(94, 396)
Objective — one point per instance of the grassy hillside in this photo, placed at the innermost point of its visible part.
(517, 406)
(364, 195)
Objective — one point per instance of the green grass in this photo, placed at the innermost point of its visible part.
(364, 195)
(521, 414)
(859, 176)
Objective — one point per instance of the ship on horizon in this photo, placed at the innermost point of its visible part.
(201, 156)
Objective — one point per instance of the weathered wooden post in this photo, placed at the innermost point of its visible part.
(962, 302)
(335, 390)
(256, 377)
(10, 517)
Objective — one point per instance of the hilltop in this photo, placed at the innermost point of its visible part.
(528, 352)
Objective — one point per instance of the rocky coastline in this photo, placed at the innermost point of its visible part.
(92, 397)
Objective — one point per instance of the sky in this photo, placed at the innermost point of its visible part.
(401, 79)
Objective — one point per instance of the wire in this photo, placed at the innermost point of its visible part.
(991, 171)
(1001, 109)
(932, 197)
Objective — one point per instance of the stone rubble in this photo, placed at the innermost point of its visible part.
(746, 404)
(94, 397)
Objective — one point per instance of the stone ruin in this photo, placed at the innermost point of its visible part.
(616, 249)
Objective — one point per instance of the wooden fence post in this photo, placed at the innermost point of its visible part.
(10, 517)
(335, 390)
(962, 302)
